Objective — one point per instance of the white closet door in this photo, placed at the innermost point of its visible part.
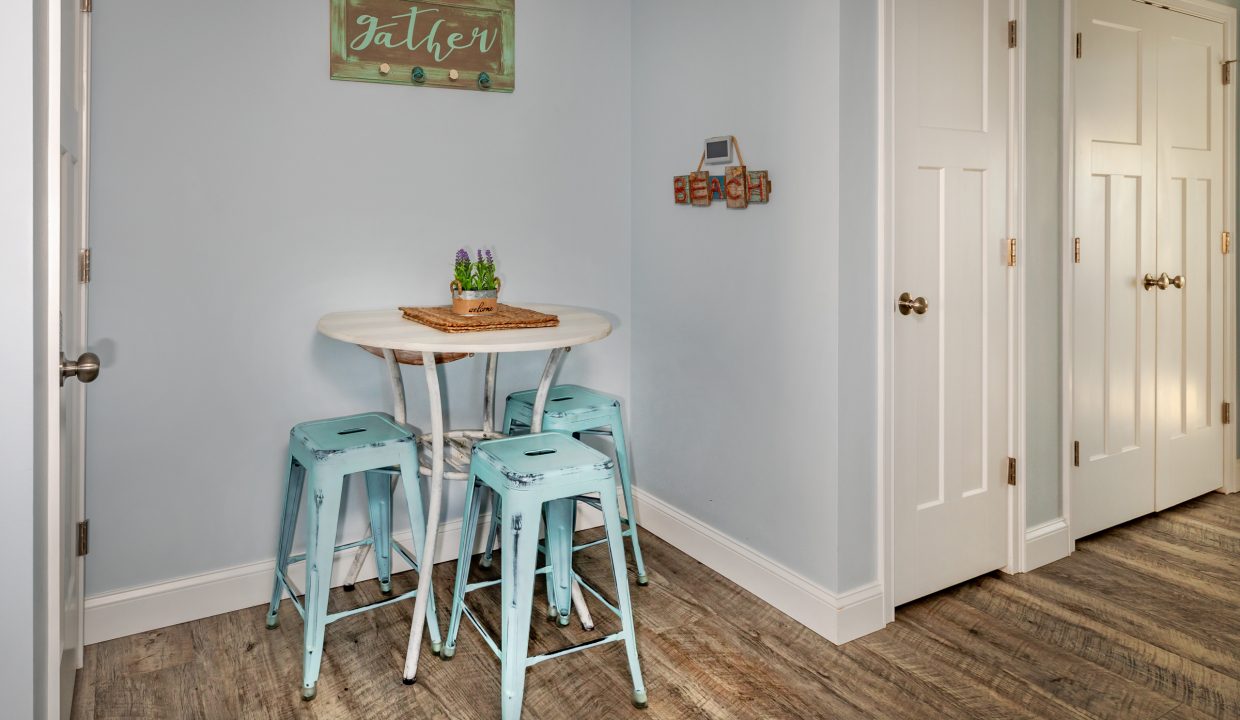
(951, 425)
(1114, 328)
(1190, 224)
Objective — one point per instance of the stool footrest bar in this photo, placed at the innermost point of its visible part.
(288, 585)
(407, 554)
(301, 557)
(596, 594)
(530, 662)
(486, 636)
(480, 585)
(293, 592)
(333, 617)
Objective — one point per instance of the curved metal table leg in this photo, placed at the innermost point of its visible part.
(434, 503)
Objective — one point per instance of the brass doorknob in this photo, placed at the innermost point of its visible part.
(85, 369)
(1161, 282)
(1178, 282)
(907, 304)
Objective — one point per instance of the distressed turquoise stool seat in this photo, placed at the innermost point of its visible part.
(526, 472)
(322, 454)
(577, 410)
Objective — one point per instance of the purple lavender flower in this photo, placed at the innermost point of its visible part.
(462, 256)
(490, 258)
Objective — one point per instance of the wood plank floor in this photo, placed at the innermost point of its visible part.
(1141, 623)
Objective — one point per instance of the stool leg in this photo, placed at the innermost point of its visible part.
(495, 501)
(626, 484)
(323, 514)
(293, 481)
(474, 492)
(509, 417)
(517, 590)
(493, 531)
(559, 518)
(615, 544)
(417, 526)
(379, 502)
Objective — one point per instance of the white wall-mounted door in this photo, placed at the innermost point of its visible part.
(1191, 194)
(62, 365)
(1149, 179)
(951, 221)
(1114, 325)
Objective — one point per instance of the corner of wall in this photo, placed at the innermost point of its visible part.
(838, 617)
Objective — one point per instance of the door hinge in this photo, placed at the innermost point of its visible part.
(1226, 413)
(1079, 44)
(1076, 250)
(87, 5)
(84, 266)
(1011, 33)
(1011, 471)
(1076, 453)
(1226, 242)
(1227, 71)
(83, 545)
(1011, 258)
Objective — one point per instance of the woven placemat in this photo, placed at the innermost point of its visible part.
(505, 317)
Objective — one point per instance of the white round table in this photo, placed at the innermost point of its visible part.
(391, 332)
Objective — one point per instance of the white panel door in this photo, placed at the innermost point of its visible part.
(63, 364)
(1149, 186)
(951, 224)
(1113, 335)
(1190, 223)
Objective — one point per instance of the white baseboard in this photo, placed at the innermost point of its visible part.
(125, 612)
(838, 617)
(1046, 543)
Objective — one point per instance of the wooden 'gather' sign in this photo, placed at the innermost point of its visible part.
(466, 44)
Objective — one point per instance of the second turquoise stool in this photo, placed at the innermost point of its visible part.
(328, 451)
(527, 472)
(576, 410)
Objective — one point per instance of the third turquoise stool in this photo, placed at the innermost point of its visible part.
(327, 451)
(576, 410)
(526, 472)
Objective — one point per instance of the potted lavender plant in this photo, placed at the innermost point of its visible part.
(475, 289)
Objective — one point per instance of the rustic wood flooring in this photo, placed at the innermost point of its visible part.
(1141, 623)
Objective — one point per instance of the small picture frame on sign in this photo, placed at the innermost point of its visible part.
(718, 150)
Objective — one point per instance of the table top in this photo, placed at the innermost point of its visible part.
(389, 329)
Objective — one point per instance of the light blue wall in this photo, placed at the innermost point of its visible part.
(17, 360)
(736, 334)
(1041, 254)
(857, 519)
(239, 194)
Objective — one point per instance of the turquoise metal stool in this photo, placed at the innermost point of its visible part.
(526, 472)
(576, 410)
(328, 451)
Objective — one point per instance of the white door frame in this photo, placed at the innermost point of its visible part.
(48, 591)
(886, 294)
(1210, 11)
